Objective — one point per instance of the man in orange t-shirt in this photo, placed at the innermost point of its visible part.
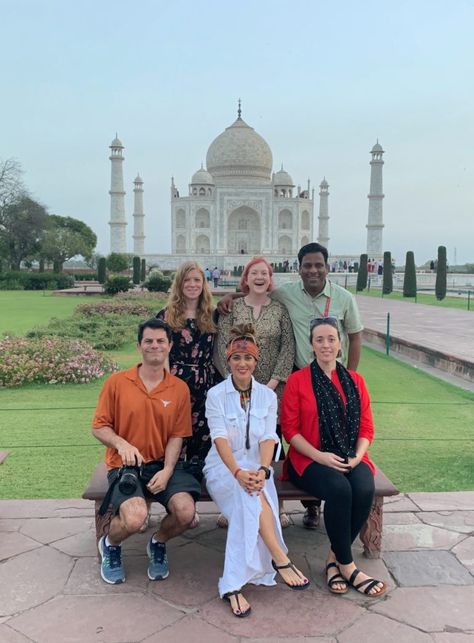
(142, 416)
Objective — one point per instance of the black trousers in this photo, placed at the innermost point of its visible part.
(347, 499)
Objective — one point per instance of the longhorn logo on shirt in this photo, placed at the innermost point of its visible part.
(166, 402)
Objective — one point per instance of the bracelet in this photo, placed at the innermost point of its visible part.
(236, 472)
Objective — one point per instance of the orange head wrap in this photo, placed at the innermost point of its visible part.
(242, 345)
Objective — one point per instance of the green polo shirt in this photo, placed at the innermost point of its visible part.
(302, 308)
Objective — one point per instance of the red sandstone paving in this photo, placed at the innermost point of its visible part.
(432, 609)
(191, 628)
(13, 543)
(8, 635)
(288, 613)
(418, 536)
(464, 552)
(113, 619)
(52, 529)
(439, 501)
(32, 578)
(194, 572)
(372, 628)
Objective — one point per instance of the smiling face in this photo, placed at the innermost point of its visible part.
(326, 344)
(242, 366)
(313, 272)
(258, 278)
(154, 347)
(192, 285)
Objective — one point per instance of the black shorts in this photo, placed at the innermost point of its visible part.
(180, 481)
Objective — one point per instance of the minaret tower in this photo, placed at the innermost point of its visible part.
(323, 218)
(138, 218)
(118, 224)
(376, 195)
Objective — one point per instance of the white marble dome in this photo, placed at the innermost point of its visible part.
(282, 178)
(116, 142)
(377, 147)
(202, 177)
(239, 154)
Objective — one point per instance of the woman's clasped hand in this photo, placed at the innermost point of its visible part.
(251, 481)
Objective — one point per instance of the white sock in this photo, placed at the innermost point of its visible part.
(109, 544)
(154, 541)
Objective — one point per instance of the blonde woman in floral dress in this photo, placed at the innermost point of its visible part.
(274, 334)
(189, 313)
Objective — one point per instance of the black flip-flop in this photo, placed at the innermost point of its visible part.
(239, 614)
(335, 579)
(289, 565)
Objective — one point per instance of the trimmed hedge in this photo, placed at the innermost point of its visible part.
(387, 284)
(441, 274)
(362, 274)
(21, 280)
(409, 279)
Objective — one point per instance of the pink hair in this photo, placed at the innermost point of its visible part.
(243, 285)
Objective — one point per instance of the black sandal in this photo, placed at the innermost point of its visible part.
(239, 614)
(289, 565)
(335, 579)
(370, 584)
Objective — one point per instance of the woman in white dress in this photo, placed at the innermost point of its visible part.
(241, 415)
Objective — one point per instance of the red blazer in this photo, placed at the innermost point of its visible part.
(299, 415)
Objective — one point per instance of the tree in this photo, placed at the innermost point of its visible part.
(409, 280)
(11, 185)
(22, 226)
(387, 285)
(143, 271)
(362, 274)
(117, 262)
(65, 238)
(101, 270)
(136, 270)
(441, 274)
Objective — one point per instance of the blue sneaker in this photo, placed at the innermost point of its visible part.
(158, 567)
(111, 568)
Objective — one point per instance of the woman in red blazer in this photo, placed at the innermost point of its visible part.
(327, 421)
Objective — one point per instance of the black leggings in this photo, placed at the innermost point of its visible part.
(348, 498)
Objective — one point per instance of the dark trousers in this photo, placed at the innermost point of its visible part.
(347, 499)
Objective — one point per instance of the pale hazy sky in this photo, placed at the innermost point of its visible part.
(320, 81)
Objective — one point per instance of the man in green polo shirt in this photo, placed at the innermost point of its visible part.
(314, 295)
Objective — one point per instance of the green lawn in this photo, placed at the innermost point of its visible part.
(422, 298)
(21, 310)
(424, 427)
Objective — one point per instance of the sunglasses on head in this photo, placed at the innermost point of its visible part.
(318, 321)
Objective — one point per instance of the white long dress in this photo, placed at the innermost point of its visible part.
(247, 559)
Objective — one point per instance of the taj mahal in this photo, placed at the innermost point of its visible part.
(237, 207)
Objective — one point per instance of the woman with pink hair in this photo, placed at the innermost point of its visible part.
(273, 329)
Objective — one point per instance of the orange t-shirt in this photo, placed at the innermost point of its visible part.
(146, 419)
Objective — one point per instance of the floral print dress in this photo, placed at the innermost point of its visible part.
(191, 360)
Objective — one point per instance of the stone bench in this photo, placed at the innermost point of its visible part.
(370, 535)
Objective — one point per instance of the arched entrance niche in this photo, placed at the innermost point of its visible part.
(243, 231)
(202, 245)
(180, 243)
(304, 240)
(285, 245)
(202, 218)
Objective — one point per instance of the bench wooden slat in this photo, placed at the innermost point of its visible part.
(98, 485)
(370, 535)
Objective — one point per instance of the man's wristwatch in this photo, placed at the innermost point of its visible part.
(267, 471)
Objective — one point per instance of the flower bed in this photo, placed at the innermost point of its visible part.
(51, 360)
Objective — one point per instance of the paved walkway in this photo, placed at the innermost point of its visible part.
(50, 590)
(447, 330)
